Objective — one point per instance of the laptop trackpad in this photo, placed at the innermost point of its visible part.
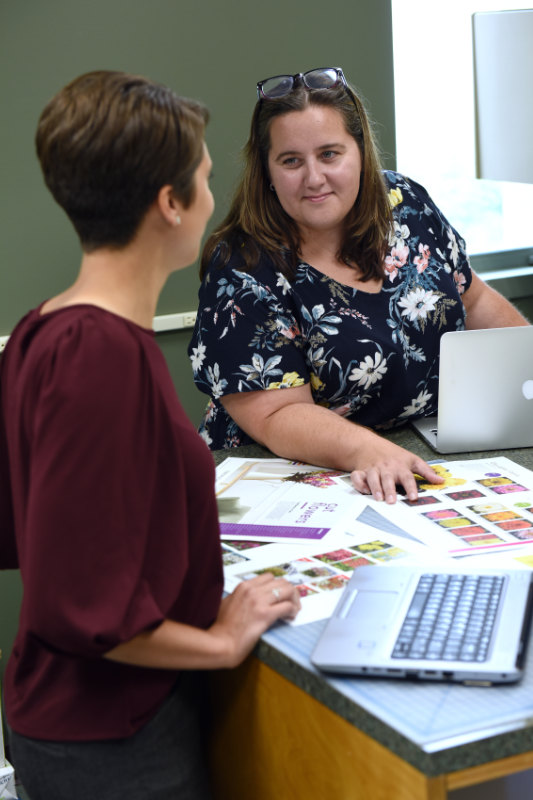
(371, 607)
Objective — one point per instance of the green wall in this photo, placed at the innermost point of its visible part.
(212, 50)
(209, 49)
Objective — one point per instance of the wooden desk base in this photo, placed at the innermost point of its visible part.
(272, 741)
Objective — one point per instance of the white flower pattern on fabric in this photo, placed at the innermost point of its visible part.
(369, 371)
(417, 405)
(205, 436)
(198, 356)
(418, 303)
(399, 236)
(283, 283)
(217, 383)
(453, 247)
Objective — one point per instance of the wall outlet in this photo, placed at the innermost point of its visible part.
(174, 322)
(3, 342)
(189, 318)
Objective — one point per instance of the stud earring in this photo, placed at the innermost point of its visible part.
(178, 220)
(271, 187)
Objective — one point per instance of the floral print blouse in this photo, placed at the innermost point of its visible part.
(373, 358)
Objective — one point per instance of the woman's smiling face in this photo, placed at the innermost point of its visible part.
(315, 168)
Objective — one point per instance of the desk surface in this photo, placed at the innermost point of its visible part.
(419, 724)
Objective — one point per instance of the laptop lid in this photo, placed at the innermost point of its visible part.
(485, 391)
(363, 635)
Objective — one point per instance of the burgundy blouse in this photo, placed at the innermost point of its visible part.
(108, 509)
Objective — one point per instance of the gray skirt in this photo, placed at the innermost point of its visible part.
(165, 760)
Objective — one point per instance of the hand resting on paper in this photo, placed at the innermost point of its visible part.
(385, 468)
(251, 609)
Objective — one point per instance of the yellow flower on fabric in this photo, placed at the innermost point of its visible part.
(289, 379)
(316, 383)
(395, 197)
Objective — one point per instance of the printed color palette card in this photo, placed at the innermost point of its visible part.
(484, 506)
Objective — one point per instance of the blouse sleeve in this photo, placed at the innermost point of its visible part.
(247, 336)
(90, 489)
(451, 247)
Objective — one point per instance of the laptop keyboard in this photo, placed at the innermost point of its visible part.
(450, 618)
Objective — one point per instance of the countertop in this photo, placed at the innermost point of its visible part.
(275, 650)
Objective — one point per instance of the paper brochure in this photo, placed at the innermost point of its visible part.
(277, 500)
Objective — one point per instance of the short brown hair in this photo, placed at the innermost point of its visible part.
(108, 142)
(256, 221)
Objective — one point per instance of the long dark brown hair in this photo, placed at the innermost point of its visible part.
(256, 221)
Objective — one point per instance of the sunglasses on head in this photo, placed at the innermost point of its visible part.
(282, 85)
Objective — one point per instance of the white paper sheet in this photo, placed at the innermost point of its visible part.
(281, 501)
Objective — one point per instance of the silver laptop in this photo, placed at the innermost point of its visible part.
(448, 623)
(485, 392)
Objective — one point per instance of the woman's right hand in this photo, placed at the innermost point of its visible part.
(250, 610)
(382, 468)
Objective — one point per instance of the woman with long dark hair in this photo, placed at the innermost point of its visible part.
(326, 290)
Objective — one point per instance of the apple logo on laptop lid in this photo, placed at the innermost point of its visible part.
(527, 389)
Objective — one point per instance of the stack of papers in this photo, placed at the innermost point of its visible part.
(310, 526)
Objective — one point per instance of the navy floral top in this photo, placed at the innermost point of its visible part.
(373, 358)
